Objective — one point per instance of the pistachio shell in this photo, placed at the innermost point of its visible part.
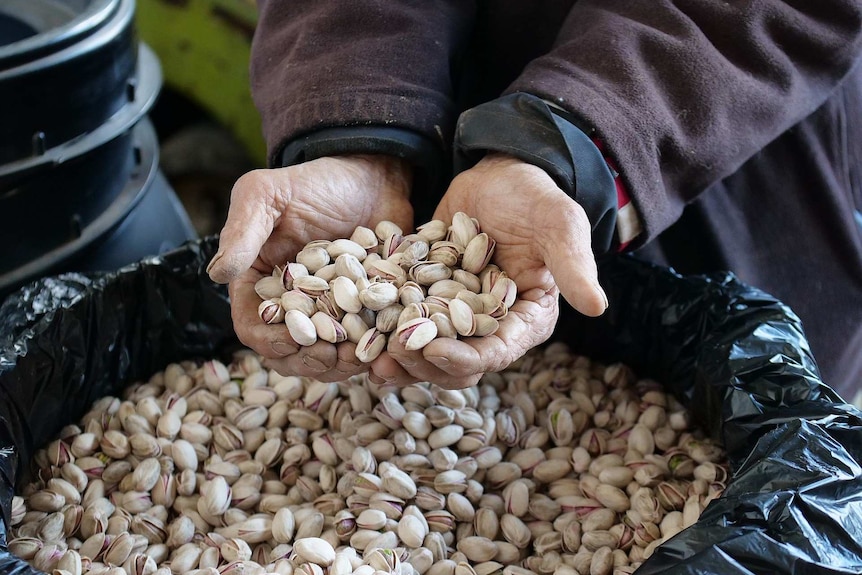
(433, 231)
(444, 325)
(311, 286)
(462, 317)
(327, 328)
(417, 333)
(300, 327)
(429, 272)
(354, 326)
(341, 246)
(313, 258)
(385, 228)
(478, 253)
(365, 237)
(297, 300)
(379, 295)
(269, 288)
(463, 229)
(370, 345)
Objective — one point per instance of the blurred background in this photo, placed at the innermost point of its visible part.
(207, 125)
(123, 127)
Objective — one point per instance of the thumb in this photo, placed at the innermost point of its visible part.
(569, 257)
(249, 224)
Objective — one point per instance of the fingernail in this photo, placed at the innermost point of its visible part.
(281, 348)
(219, 255)
(405, 360)
(604, 295)
(439, 361)
(313, 363)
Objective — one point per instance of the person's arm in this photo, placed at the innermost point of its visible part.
(683, 93)
(351, 93)
(378, 73)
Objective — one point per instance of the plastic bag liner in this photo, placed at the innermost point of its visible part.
(736, 356)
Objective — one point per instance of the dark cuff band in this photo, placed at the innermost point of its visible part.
(526, 127)
(430, 168)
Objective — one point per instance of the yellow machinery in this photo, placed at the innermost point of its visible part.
(204, 48)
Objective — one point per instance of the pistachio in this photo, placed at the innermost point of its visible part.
(269, 287)
(477, 253)
(300, 327)
(311, 286)
(328, 329)
(370, 345)
(364, 237)
(433, 231)
(429, 272)
(313, 258)
(296, 300)
(314, 550)
(416, 333)
(463, 229)
(270, 311)
(548, 468)
(379, 295)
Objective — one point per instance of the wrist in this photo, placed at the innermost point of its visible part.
(390, 174)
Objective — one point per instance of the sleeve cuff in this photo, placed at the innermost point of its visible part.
(530, 129)
(629, 224)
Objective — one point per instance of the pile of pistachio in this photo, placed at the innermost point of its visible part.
(555, 466)
(380, 283)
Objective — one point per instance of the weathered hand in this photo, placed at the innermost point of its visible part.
(543, 243)
(273, 214)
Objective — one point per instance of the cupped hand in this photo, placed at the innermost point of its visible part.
(543, 244)
(273, 214)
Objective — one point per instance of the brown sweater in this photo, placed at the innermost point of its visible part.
(737, 126)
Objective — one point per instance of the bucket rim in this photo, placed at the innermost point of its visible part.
(86, 23)
(133, 192)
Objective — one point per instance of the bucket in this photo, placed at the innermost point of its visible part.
(144, 218)
(78, 158)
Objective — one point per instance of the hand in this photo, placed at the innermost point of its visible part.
(543, 243)
(273, 214)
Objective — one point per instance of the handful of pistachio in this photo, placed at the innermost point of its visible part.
(437, 282)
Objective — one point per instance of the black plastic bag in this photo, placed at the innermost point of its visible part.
(736, 356)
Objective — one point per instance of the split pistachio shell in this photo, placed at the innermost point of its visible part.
(311, 286)
(370, 345)
(417, 333)
(290, 272)
(327, 328)
(298, 301)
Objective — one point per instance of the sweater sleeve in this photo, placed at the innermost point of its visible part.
(683, 92)
(342, 63)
